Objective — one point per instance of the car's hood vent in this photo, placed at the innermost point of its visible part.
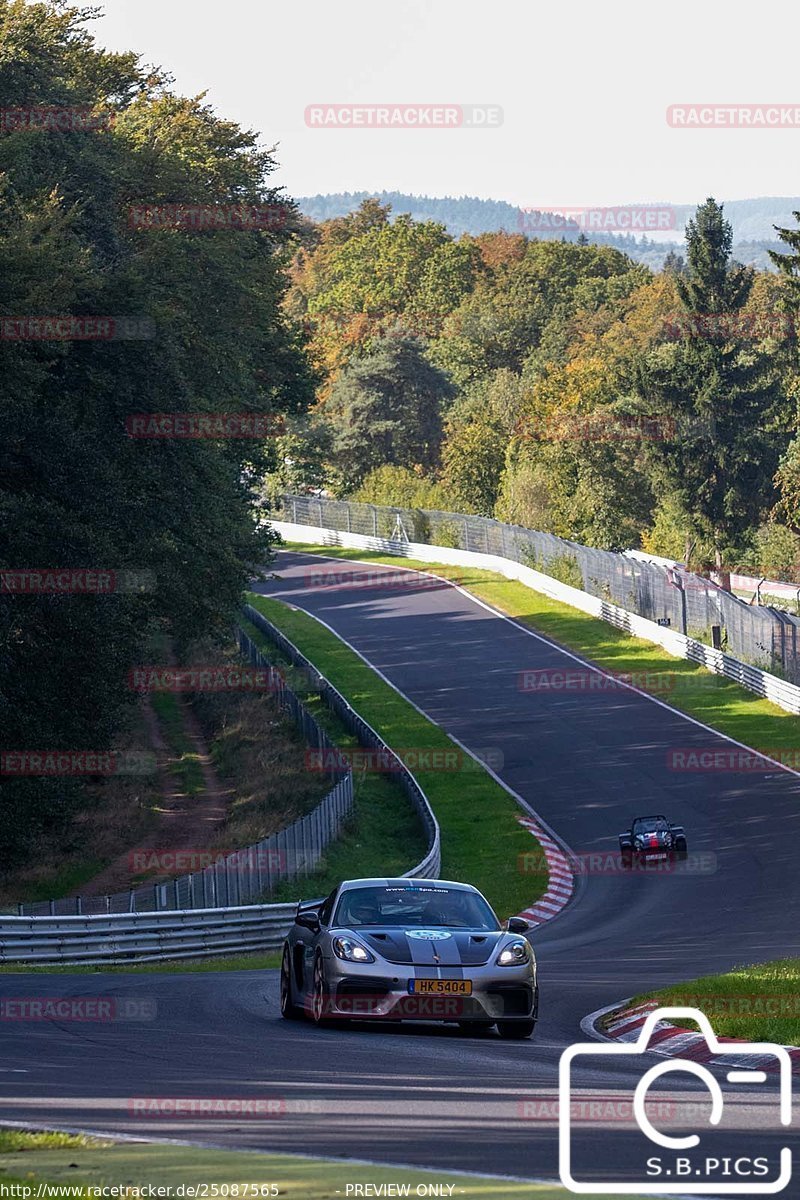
(434, 947)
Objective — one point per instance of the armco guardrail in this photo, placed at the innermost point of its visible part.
(786, 695)
(202, 932)
(144, 937)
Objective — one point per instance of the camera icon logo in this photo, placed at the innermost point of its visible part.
(677, 1171)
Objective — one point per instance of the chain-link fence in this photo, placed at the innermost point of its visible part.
(241, 876)
(763, 636)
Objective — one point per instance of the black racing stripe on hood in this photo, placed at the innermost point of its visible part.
(461, 948)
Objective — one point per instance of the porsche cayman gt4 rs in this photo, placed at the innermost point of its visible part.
(409, 950)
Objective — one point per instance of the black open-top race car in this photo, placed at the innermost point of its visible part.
(653, 838)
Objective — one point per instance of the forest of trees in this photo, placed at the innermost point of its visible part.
(75, 490)
(754, 221)
(557, 384)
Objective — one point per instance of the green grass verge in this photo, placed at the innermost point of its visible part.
(759, 1003)
(237, 962)
(384, 836)
(186, 762)
(710, 698)
(83, 1162)
(481, 837)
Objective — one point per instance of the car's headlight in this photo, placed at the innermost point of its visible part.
(351, 950)
(514, 955)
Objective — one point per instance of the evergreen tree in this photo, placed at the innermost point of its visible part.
(711, 394)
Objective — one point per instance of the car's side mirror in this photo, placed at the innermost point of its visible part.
(517, 925)
(308, 920)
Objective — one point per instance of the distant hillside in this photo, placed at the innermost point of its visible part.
(752, 221)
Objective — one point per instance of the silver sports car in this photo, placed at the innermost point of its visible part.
(409, 950)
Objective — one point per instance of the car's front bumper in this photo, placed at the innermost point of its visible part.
(380, 990)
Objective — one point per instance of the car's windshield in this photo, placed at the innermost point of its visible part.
(416, 907)
(650, 825)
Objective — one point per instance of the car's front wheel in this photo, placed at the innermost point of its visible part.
(289, 1010)
(320, 996)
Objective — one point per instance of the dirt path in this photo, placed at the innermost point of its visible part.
(183, 822)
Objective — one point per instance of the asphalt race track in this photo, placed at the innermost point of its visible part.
(587, 761)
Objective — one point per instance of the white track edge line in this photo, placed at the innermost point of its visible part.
(575, 657)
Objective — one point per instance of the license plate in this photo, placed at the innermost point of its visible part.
(440, 987)
(658, 856)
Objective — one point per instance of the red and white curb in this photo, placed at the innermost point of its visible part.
(671, 1041)
(561, 878)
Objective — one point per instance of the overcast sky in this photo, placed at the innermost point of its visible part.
(584, 88)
